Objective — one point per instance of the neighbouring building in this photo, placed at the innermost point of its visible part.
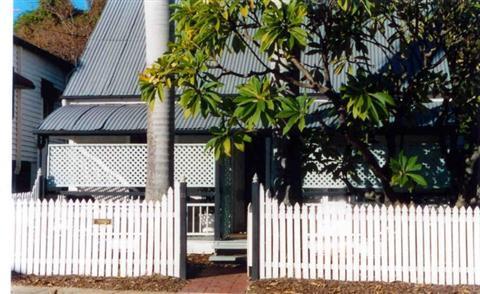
(39, 79)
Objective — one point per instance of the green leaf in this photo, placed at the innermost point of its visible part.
(227, 147)
(291, 122)
(343, 4)
(418, 179)
(384, 97)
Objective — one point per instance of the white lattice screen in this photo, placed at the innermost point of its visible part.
(321, 180)
(123, 165)
(196, 164)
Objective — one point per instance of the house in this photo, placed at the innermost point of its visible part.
(105, 124)
(39, 78)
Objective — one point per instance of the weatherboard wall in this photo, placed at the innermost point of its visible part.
(35, 68)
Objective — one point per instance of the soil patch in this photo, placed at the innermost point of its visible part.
(145, 283)
(322, 286)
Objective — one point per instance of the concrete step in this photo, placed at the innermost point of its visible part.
(230, 244)
(228, 258)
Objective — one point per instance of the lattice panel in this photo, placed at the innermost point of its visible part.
(366, 177)
(196, 164)
(123, 165)
(321, 180)
(99, 165)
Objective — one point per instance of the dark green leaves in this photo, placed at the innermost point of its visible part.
(363, 102)
(255, 103)
(223, 139)
(369, 106)
(282, 27)
(405, 172)
(352, 6)
(294, 112)
(202, 99)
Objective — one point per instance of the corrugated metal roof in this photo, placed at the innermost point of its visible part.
(127, 119)
(115, 55)
(196, 123)
(109, 119)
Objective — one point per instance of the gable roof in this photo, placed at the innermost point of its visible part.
(114, 54)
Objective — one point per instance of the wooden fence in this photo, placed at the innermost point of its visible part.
(102, 238)
(367, 243)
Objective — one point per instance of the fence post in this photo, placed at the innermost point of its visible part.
(183, 230)
(219, 181)
(255, 229)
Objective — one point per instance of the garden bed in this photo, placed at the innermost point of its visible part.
(196, 264)
(323, 286)
(144, 283)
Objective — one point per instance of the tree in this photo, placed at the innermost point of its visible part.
(302, 48)
(58, 27)
(160, 127)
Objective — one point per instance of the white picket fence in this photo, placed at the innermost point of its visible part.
(34, 194)
(102, 238)
(368, 243)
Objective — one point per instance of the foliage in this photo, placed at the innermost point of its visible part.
(58, 27)
(405, 172)
(390, 56)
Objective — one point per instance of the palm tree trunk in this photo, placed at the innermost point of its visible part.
(160, 127)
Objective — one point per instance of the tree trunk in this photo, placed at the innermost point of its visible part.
(160, 126)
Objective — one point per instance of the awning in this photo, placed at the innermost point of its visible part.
(113, 119)
(130, 119)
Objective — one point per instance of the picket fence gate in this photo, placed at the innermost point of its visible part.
(431, 245)
(102, 238)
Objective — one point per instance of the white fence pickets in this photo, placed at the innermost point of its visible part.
(102, 238)
(368, 243)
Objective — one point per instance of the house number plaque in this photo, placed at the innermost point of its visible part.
(102, 221)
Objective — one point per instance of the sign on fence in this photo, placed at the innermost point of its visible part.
(103, 238)
(367, 243)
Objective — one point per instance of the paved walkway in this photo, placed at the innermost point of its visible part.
(218, 280)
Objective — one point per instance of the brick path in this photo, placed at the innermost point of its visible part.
(218, 280)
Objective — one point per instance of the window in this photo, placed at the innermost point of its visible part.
(51, 97)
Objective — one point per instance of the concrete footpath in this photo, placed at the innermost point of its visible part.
(57, 290)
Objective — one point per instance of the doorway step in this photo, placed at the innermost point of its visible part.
(230, 251)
